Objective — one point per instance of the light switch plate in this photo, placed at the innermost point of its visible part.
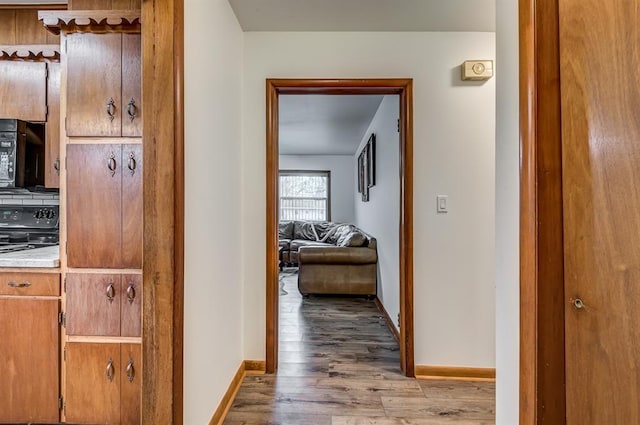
(442, 204)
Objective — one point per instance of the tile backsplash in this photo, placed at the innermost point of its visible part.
(30, 198)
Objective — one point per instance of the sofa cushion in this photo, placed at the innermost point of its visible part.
(353, 238)
(297, 243)
(284, 243)
(285, 230)
(304, 230)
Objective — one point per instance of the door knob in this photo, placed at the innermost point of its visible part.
(578, 304)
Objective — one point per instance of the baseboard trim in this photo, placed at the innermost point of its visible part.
(229, 396)
(247, 367)
(255, 367)
(458, 373)
(387, 319)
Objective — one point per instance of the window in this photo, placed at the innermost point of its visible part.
(305, 195)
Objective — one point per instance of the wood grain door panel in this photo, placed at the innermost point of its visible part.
(52, 142)
(131, 305)
(131, 384)
(132, 206)
(93, 304)
(23, 90)
(29, 387)
(92, 383)
(94, 64)
(131, 85)
(94, 206)
(601, 185)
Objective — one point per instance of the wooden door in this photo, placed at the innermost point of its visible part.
(131, 85)
(52, 141)
(29, 360)
(132, 206)
(131, 305)
(601, 183)
(94, 206)
(92, 383)
(94, 89)
(131, 384)
(93, 304)
(23, 90)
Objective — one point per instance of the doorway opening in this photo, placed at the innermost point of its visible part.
(403, 89)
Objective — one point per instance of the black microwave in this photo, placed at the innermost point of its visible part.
(22, 153)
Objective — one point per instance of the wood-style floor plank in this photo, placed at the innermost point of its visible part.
(339, 365)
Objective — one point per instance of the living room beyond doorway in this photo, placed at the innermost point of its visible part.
(338, 159)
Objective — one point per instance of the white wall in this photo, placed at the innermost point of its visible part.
(381, 215)
(342, 175)
(213, 268)
(454, 141)
(507, 210)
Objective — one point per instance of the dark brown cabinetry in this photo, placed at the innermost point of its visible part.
(29, 387)
(103, 304)
(23, 90)
(52, 133)
(103, 383)
(30, 91)
(104, 206)
(103, 85)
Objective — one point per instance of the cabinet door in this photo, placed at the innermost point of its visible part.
(132, 206)
(93, 304)
(94, 206)
(23, 90)
(94, 89)
(52, 141)
(29, 386)
(92, 383)
(131, 85)
(131, 305)
(131, 384)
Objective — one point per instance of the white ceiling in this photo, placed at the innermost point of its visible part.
(365, 15)
(324, 124)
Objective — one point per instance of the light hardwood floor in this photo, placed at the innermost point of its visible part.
(339, 365)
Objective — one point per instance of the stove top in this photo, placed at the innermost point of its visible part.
(28, 227)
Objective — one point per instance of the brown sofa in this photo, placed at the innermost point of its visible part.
(333, 258)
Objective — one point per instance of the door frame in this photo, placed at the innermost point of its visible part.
(163, 197)
(401, 87)
(542, 332)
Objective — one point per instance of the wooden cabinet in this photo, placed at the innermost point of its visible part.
(23, 90)
(103, 383)
(104, 206)
(103, 85)
(30, 347)
(103, 304)
(52, 129)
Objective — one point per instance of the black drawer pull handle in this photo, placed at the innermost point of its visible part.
(13, 284)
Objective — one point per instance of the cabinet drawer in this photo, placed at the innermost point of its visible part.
(30, 284)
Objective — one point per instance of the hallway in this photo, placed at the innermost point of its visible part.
(339, 365)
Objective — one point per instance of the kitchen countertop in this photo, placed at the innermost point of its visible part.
(39, 257)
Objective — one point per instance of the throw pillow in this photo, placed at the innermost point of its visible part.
(353, 238)
(340, 231)
(285, 230)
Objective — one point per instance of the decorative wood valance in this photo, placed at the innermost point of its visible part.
(96, 21)
(30, 52)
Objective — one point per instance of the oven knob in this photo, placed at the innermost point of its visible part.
(51, 214)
